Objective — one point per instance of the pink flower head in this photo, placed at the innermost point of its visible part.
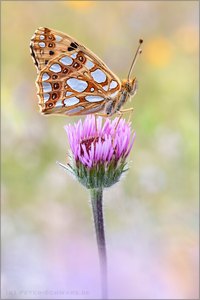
(94, 142)
(98, 150)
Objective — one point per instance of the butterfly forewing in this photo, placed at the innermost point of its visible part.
(46, 44)
(71, 79)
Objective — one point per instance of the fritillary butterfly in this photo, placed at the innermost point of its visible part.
(74, 81)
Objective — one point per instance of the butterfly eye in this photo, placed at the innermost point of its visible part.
(54, 76)
(51, 45)
(51, 52)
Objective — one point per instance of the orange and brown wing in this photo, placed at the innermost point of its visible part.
(75, 84)
(72, 80)
(48, 43)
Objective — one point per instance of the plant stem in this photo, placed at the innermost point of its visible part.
(97, 209)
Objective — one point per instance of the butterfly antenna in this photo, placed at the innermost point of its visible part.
(138, 51)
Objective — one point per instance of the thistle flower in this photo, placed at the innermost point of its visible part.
(97, 160)
(99, 151)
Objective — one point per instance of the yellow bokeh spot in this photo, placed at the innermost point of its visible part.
(158, 51)
(80, 4)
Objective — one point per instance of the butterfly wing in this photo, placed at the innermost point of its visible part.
(47, 43)
(72, 80)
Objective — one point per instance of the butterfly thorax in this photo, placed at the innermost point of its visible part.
(128, 89)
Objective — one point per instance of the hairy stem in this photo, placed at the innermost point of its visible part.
(97, 209)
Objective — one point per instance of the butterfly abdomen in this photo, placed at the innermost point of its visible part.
(123, 97)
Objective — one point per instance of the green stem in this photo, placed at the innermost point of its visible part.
(97, 209)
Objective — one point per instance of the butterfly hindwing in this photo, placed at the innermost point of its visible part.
(74, 81)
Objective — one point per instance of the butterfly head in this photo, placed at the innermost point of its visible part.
(130, 86)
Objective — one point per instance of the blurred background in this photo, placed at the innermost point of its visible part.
(48, 243)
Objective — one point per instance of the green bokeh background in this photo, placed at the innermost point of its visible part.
(152, 214)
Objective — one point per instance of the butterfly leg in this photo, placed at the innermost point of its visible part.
(95, 117)
(121, 112)
(120, 116)
(131, 109)
(96, 136)
(126, 110)
(102, 115)
(117, 123)
(96, 129)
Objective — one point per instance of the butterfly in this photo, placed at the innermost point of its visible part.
(72, 80)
